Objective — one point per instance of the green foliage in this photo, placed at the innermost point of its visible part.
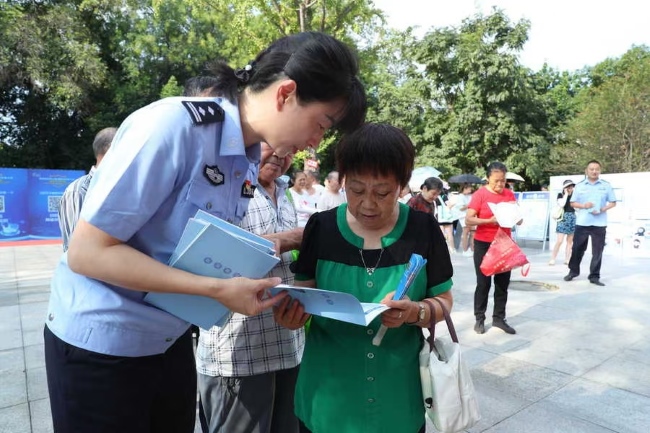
(484, 105)
(171, 88)
(69, 68)
(613, 125)
(91, 63)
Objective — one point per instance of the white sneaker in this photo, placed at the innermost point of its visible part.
(551, 262)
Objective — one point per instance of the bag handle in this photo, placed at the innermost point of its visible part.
(432, 324)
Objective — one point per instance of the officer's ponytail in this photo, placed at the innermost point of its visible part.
(323, 68)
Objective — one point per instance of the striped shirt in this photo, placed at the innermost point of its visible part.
(70, 205)
(251, 345)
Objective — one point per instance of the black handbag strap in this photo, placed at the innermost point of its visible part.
(432, 324)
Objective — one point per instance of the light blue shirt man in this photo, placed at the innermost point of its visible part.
(168, 160)
(599, 194)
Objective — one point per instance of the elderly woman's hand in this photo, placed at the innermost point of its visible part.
(290, 314)
(400, 312)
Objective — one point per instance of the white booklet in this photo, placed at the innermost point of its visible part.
(508, 213)
(333, 305)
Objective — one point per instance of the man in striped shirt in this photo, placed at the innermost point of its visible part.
(74, 195)
(249, 366)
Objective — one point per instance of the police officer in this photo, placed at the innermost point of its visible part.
(591, 198)
(114, 363)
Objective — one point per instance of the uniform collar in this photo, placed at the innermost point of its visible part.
(232, 139)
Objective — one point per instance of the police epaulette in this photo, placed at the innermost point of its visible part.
(204, 112)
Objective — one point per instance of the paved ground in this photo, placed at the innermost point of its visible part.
(580, 361)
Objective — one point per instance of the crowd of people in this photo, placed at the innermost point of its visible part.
(115, 363)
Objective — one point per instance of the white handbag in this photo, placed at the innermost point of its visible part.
(558, 212)
(447, 388)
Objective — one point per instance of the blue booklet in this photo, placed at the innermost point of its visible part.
(217, 251)
(333, 305)
(346, 307)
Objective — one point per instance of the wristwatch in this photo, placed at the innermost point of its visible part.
(422, 313)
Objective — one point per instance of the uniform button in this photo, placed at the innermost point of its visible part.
(371, 400)
(168, 339)
(370, 379)
(371, 355)
(208, 205)
(370, 332)
(50, 317)
(370, 284)
(238, 174)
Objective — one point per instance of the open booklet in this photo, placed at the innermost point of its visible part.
(508, 213)
(346, 307)
(214, 248)
(333, 305)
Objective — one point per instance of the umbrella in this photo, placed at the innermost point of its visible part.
(465, 178)
(514, 176)
(421, 174)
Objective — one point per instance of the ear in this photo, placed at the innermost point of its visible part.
(286, 91)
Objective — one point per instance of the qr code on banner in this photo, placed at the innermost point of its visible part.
(2, 204)
(53, 202)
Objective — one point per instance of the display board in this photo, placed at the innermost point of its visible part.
(29, 202)
(535, 209)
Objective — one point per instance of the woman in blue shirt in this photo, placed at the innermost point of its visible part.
(115, 363)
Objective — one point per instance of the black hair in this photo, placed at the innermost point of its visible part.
(324, 69)
(201, 86)
(103, 140)
(465, 185)
(496, 166)
(432, 183)
(594, 161)
(376, 149)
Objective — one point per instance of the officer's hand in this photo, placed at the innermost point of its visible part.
(247, 296)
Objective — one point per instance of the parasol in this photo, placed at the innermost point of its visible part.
(514, 176)
(421, 174)
(465, 178)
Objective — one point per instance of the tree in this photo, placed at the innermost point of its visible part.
(614, 123)
(87, 64)
(484, 104)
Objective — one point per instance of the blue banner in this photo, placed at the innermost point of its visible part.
(29, 202)
(14, 218)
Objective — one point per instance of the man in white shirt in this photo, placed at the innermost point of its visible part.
(332, 196)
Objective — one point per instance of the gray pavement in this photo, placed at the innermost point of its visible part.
(580, 361)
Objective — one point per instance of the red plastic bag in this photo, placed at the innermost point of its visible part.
(503, 255)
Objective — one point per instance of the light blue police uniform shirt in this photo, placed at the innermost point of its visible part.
(151, 181)
(599, 193)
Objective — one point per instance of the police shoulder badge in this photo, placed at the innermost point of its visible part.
(204, 112)
(248, 189)
(213, 174)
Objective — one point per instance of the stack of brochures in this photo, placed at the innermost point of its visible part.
(211, 247)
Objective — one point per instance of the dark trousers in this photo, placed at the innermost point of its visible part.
(580, 240)
(92, 392)
(483, 284)
(262, 403)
